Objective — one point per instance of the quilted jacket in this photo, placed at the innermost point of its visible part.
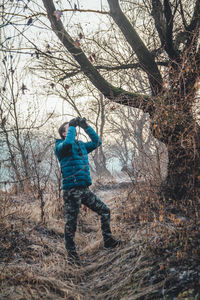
(73, 158)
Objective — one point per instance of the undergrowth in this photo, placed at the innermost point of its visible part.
(159, 258)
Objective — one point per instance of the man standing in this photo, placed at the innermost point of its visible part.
(73, 157)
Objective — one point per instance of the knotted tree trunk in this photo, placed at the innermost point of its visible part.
(183, 144)
(176, 125)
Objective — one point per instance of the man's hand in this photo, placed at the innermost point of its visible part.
(74, 122)
(82, 123)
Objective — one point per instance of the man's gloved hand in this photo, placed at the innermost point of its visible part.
(82, 123)
(74, 122)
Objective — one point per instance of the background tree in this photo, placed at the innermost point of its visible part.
(141, 156)
(26, 155)
(173, 44)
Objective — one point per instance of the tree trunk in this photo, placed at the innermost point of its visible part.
(146, 59)
(100, 163)
(182, 185)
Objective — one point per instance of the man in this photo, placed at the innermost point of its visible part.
(73, 157)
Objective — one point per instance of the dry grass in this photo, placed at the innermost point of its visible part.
(157, 248)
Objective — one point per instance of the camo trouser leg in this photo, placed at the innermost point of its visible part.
(95, 204)
(73, 199)
(72, 203)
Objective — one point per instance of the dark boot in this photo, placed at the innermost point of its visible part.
(71, 249)
(111, 243)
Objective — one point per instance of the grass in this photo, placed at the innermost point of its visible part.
(159, 258)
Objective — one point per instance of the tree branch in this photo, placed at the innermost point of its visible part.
(146, 59)
(169, 46)
(163, 19)
(157, 13)
(195, 18)
(63, 10)
(182, 15)
(112, 68)
(115, 94)
(191, 31)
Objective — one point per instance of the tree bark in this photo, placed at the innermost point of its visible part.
(182, 185)
(177, 128)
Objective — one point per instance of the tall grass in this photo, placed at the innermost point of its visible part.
(158, 247)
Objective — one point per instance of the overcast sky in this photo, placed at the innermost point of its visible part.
(39, 34)
(89, 19)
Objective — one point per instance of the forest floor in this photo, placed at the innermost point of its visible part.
(159, 258)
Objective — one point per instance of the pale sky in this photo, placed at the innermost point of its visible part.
(37, 33)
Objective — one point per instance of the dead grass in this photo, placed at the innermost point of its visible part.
(157, 248)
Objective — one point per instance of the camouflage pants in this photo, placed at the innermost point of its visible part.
(73, 198)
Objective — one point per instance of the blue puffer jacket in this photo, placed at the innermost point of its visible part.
(73, 158)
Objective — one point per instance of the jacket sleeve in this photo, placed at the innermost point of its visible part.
(95, 140)
(66, 144)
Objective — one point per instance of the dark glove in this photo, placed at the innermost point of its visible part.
(82, 123)
(74, 122)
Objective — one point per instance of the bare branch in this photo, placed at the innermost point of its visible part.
(163, 19)
(63, 10)
(114, 68)
(146, 59)
(195, 18)
(169, 46)
(116, 94)
(160, 24)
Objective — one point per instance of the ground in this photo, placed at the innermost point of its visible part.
(159, 258)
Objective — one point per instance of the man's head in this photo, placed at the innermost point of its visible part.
(63, 130)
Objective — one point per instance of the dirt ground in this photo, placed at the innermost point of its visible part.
(152, 263)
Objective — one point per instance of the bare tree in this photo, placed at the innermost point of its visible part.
(139, 153)
(164, 44)
(172, 97)
(24, 160)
